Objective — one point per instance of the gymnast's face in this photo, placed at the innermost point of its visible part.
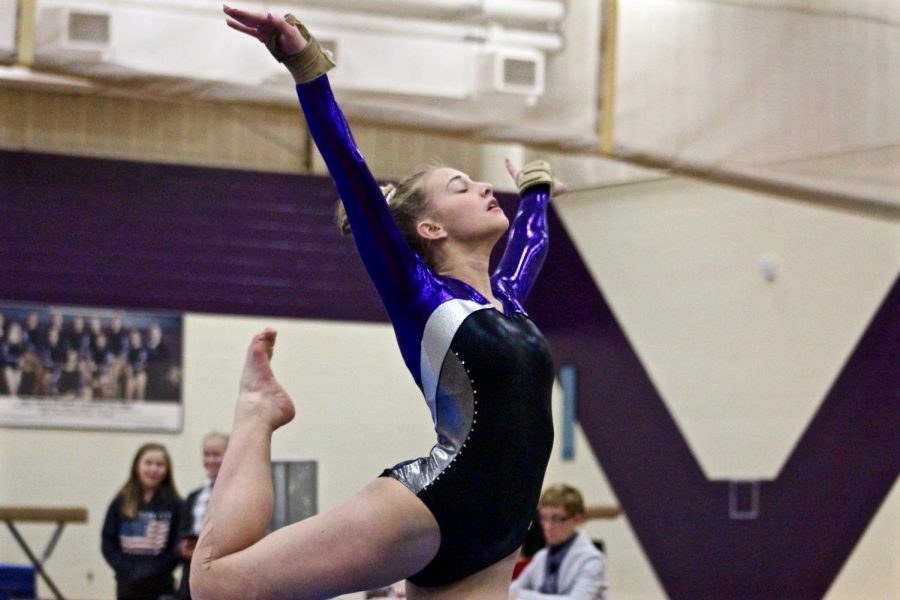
(461, 209)
(152, 469)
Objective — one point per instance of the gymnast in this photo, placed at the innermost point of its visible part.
(451, 522)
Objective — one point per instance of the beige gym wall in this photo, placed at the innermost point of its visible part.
(677, 260)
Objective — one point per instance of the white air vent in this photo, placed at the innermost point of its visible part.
(76, 30)
(88, 28)
(518, 72)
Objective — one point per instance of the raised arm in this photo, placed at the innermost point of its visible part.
(528, 239)
(392, 265)
(395, 269)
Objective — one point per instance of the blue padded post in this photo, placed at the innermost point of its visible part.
(568, 379)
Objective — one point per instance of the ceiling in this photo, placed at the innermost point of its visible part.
(800, 94)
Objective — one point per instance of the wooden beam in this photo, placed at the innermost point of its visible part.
(25, 28)
(43, 514)
(608, 35)
(833, 199)
(602, 511)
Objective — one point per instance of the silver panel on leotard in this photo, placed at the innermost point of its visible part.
(436, 337)
(455, 410)
(448, 392)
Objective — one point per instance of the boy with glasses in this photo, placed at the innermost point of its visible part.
(570, 566)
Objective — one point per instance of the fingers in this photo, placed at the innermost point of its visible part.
(250, 19)
(262, 22)
(258, 25)
(511, 169)
(237, 26)
(261, 26)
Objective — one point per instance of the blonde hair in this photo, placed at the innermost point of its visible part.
(212, 435)
(563, 495)
(407, 202)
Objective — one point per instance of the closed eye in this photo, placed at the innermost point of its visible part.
(458, 179)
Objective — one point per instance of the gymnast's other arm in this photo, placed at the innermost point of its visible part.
(528, 239)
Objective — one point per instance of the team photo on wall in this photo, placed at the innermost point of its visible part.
(89, 367)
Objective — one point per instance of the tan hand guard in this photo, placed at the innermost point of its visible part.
(308, 64)
(536, 172)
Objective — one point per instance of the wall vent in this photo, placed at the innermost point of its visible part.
(519, 72)
(88, 28)
(72, 30)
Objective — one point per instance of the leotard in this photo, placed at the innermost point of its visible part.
(486, 375)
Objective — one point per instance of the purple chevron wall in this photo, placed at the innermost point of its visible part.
(781, 539)
(135, 235)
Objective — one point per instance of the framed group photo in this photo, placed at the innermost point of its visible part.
(90, 368)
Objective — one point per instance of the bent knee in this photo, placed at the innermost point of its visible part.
(200, 574)
(220, 579)
(201, 580)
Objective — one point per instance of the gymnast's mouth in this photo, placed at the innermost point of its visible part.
(493, 204)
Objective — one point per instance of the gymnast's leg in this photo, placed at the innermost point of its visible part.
(380, 535)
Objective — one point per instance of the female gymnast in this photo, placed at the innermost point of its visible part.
(450, 523)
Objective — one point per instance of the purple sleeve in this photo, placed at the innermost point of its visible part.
(408, 288)
(526, 246)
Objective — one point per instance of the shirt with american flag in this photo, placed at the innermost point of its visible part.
(146, 535)
(143, 550)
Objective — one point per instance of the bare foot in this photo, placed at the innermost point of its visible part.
(260, 395)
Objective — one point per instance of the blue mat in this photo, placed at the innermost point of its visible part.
(17, 581)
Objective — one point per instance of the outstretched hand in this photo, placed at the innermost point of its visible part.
(558, 186)
(261, 26)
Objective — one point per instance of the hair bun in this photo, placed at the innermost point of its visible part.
(388, 190)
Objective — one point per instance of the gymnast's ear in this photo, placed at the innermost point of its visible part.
(430, 230)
